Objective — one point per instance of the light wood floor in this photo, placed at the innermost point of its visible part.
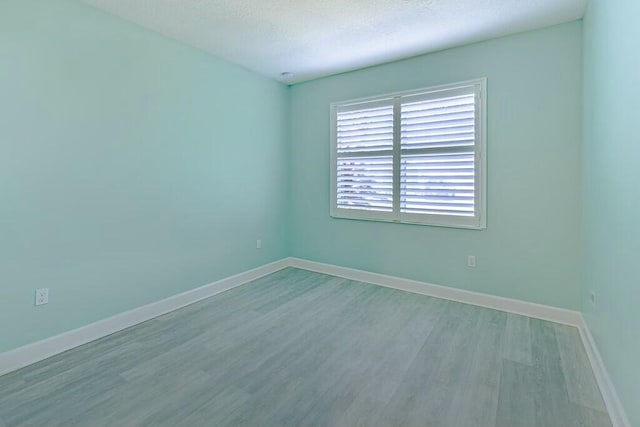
(303, 349)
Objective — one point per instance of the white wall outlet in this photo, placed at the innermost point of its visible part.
(42, 296)
(471, 261)
(592, 298)
(258, 244)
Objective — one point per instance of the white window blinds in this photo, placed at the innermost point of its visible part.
(438, 163)
(414, 157)
(365, 158)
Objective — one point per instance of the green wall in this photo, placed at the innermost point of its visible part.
(132, 167)
(611, 190)
(530, 249)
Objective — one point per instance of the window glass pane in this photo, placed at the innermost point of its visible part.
(368, 129)
(441, 122)
(365, 183)
(440, 184)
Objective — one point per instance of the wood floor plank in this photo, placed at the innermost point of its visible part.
(198, 406)
(588, 417)
(549, 386)
(301, 348)
(516, 404)
(479, 388)
(11, 383)
(140, 399)
(406, 342)
(277, 346)
(349, 370)
(517, 340)
(348, 351)
(581, 383)
(57, 405)
(424, 396)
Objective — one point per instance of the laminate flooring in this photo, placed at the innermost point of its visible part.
(297, 348)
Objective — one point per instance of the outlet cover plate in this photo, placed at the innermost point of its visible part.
(42, 296)
(471, 261)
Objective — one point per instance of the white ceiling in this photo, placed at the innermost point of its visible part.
(314, 38)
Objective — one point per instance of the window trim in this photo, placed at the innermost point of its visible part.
(478, 221)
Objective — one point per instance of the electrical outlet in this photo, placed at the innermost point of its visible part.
(258, 244)
(592, 298)
(42, 296)
(471, 261)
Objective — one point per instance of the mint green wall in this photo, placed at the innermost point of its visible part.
(611, 191)
(131, 167)
(530, 249)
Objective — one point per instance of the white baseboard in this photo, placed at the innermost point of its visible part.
(607, 389)
(40, 350)
(538, 311)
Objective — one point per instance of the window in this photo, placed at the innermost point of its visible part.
(413, 157)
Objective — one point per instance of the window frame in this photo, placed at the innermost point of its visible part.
(478, 221)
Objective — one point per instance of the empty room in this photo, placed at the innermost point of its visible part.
(319, 213)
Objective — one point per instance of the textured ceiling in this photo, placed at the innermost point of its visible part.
(313, 38)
